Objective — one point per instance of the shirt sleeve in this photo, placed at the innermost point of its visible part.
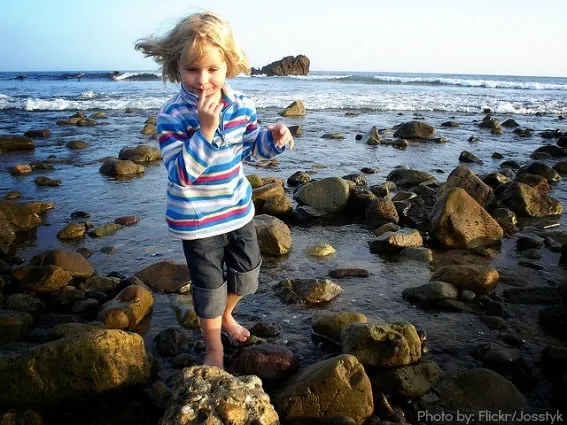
(185, 151)
(258, 143)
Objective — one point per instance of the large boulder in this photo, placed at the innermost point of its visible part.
(209, 395)
(458, 221)
(288, 65)
(121, 168)
(526, 201)
(327, 195)
(464, 178)
(72, 262)
(140, 154)
(165, 276)
(75, 367)
(382, 345)
(415, 130)
(274, 236)
(337, 386)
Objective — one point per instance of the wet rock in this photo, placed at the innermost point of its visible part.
(46, 181)
(172, 341)
(43, 279)
(469, 157)
(464, 178)
(127, 309)
(372, 137)
(458, 221)
(265, 329)
(72, 262)
(348, 272)
(272, 363)
(333, 136)
(184, 310)
(334, 387)
(552, 150)
(307, 291)
(526, 201)
(409, 381)
(25, 302)
(331, 324)
(76, 145)
(358, 179)
(536, 181)
(510, 123)
(99, 361)
(140, 154)
(321, 250)
(327, 195)
(381, 211)
(431, 292)
(128, 220)
(97, 283)
(165, 276)
(415, 130)
(289, 65)
(480, 389)
(21, 169)
(295, 109)
(541, 169)
(274, 236)
(480, 279)
(104, 230)
(506, 219)
(72, 231)
(121, 168)
(210, 395)
(16, 143)
(38, 134)
(407, 178)
(382, 345)
(13, 327)
(149, 130)
(298, 178)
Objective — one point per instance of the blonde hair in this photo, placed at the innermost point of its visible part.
(189, 40)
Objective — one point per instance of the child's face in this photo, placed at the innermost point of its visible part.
(206, 75)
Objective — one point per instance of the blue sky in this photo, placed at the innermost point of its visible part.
(521, 37)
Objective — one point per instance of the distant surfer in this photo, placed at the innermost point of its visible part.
(116, 75)
(19, 77)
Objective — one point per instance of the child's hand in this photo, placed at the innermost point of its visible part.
(282, 136)
(208, 110)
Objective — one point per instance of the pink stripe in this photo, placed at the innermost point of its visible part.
(235, 123)
(252, 127)
(223, 176)
(219, 217)
(167, 136)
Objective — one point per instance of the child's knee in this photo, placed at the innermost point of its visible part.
(209, 302)
(243, 283)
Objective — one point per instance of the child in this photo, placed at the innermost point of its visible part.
(205, 131)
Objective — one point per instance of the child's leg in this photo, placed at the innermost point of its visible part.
(243, 262)
(205, 259)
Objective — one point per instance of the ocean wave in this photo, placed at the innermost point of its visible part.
(470, 82)
(136, 76)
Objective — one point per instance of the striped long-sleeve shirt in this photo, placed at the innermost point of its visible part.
(207, 191)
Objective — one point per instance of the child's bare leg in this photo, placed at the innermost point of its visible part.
(212, 333)
(238, 332)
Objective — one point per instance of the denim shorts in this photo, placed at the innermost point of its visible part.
(221, 264)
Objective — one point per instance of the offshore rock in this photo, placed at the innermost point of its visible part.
(288, 65)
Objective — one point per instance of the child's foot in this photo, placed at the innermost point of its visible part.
(234, 329)
(214, 358)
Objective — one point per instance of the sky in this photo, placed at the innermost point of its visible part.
(503, 37)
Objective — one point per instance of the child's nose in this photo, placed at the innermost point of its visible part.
(202, 78)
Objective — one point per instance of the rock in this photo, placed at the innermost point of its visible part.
(140, 154)
(72, 262)
(46, 181)
(298, 178)
(469, 157)
(16, 143)
(307, 291)
(480, 279)
(541, 169)
(288, 65)
(97, 283)
(172, 341)
(97, 361)
(127, 309)
(72, 231)
(431, 292)
(42, 279)
(409, 381)
(418, 254)
(337, 386)
(128, 220)
(372, 137)
(329, 195)
(415, 130)
(382, 345)
(480, 389)
(407, 178)
(279, 205)
(526, 201)
(267, 191)
(464, 178)
(165, 276)
(209, 395)
(272, 363)
(458, 221)
(321, 250)
(295, 109)
(26, 303)
(149, 129)
(13, 327)
(348, 272)
(121, 168)
(184, 310)
(274, 236)
(532, 295)
(381, 211)
(39, 134)
(76, 145)
(330, 324)
(397, 240)
(107, 229)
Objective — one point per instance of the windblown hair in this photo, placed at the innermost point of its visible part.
(189, 40)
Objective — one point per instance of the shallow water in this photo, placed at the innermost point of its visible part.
(450, 335)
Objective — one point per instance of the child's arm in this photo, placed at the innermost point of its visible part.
(185, 150)
(264, 143)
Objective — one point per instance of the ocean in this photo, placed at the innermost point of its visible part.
(339, 102)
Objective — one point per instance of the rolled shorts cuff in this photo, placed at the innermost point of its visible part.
(243, 283)
(209, 303)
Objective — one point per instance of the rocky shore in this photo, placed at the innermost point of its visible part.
(74, 345)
